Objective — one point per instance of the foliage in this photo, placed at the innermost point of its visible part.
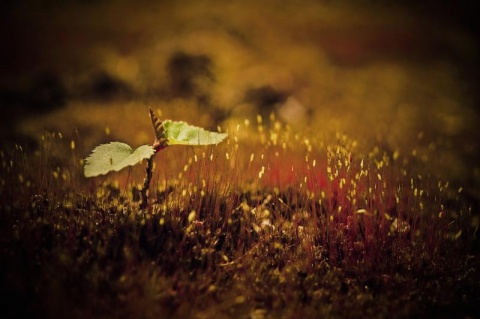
(115, 156)
(180, 133)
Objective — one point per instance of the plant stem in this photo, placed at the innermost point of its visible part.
(146, 183)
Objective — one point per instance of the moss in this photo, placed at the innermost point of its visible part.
(219, 240)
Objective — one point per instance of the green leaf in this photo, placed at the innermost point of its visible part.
(181, 133)
(114, 157)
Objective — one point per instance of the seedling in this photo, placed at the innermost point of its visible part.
(115, 156)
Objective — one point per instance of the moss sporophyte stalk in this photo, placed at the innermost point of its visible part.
(116, 156)
(315, 228)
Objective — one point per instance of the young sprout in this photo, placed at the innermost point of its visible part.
(115, 156)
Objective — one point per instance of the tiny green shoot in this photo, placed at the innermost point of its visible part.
(116, 156)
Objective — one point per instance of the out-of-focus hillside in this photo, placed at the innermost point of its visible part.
(386, 75)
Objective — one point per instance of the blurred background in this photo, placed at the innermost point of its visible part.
(400, 76)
